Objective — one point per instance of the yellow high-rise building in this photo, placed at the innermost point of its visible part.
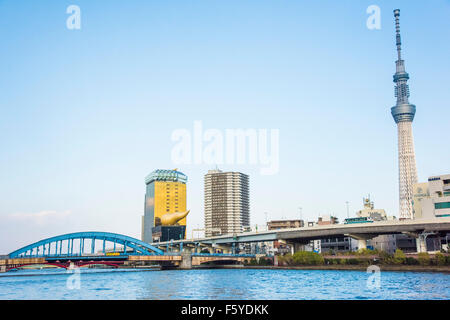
(165, 193)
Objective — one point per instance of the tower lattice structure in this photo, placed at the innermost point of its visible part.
(403, 113)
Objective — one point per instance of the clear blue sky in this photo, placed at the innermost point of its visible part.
(86, 114)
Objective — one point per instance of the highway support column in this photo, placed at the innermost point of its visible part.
(421, 244)
(421, 240)
(362, 240)
(297, 246)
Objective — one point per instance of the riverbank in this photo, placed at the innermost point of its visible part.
(441, 269)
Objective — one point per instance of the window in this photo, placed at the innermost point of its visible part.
(442, 205)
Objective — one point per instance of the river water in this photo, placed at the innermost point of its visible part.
(242, 284)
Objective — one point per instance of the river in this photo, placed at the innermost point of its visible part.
(240, 284)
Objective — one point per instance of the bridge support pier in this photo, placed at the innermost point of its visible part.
(362, 244)
(421, 244)
(186, 260)
(297, 246)
(421, 240)
(362, 240)
(2, 269)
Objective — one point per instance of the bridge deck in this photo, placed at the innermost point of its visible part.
(441, 224)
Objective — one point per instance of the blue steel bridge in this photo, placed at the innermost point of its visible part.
(53, 247)
(93, 248)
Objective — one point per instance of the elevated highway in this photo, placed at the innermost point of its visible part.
(419, 229)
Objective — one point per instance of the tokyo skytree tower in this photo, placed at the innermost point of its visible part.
(403, 113)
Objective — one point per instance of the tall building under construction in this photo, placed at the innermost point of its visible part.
(165, 193)
(226, 202)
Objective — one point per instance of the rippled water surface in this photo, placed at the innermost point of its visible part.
(221, 284)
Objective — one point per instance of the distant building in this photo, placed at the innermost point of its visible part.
(329, 244)
(165, 193)
(167, 233)
(312, 223)
(335, 244)
(432, 199)
(370, 212)
(326, 220)
(387, 243)
(346, 243)
(285, 224)
(420, 192)
(326, 244)
(277, 246)
(227, 208)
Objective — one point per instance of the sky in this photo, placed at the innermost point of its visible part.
(86, 114)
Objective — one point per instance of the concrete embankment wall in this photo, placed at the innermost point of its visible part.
(445, 269)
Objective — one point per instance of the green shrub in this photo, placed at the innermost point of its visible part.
(366, 252)
(333, 261)
(447, 260)
(386, 258)
(424, 258)
(307, 258)
(285, 260)
(399, 257)
(265, 262)
(411, 261)
(440, 259)
(367, 262)
(352, 261)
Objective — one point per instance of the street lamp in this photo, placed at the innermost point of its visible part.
(347, 209)
(265, 213)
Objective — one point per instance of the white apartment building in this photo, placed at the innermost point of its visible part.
(432, 199)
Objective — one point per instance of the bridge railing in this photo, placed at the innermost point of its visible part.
(244, 255)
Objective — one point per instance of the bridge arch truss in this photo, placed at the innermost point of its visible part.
(73, 244)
